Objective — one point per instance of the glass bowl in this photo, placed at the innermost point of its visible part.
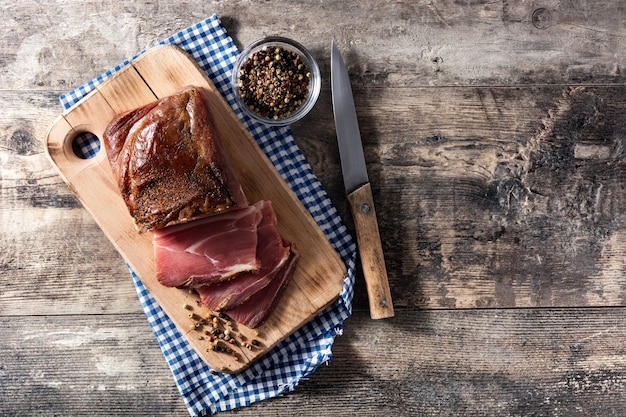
(266, 90)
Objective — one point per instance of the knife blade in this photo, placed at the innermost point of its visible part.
(358, 189)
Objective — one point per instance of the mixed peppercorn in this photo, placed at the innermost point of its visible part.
(274, 82)
(220, 331)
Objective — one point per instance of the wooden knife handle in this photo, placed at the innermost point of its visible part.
(371, 252)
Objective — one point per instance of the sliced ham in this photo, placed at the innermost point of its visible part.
(208, 250)
(272, 253)
(256, 309)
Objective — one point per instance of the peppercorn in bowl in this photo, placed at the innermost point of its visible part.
(276, 81)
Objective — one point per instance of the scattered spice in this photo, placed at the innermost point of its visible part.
(274, 82)
(221, 333)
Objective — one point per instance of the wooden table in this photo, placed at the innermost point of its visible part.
(496, 142)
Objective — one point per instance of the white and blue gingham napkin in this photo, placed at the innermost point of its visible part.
(298, 356)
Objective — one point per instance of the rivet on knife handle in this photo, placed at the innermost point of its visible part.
(371, 252)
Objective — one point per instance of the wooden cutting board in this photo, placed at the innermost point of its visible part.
(157, 73)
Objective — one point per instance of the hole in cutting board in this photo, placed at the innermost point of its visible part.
(86, 145)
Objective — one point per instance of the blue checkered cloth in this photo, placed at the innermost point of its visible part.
(280, 370)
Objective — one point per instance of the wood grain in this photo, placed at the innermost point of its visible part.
(475, 362)
(511, 202)
(493, 133)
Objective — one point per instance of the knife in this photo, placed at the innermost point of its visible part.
(358, 190)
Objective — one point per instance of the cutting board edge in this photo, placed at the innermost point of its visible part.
(58, 150)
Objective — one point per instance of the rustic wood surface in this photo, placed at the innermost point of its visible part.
(495, 137)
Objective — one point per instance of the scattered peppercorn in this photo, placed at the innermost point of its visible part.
(274, 82)
(221, 333)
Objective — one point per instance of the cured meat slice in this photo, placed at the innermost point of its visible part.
(169, 163)
(208, 250)
(272, 253)
(256, 309)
